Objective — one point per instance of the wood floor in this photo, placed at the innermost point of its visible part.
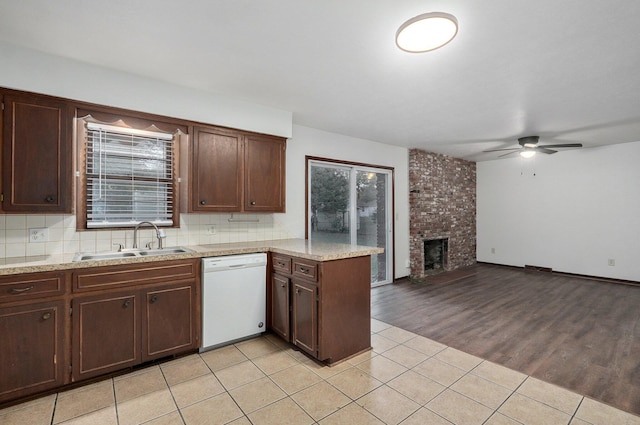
(581, 334)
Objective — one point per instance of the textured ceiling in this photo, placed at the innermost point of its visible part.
(567, 70)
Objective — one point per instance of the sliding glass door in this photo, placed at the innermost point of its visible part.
(352, 204)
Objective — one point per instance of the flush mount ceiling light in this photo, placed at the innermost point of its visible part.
(426, 32)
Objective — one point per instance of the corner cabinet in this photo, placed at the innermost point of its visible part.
(323, 308)
(36, 154)
(234, 171)
(141, 312)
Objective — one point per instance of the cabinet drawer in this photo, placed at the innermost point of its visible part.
(108, 277)
(305, 269)
(34, 285)
(282, 264)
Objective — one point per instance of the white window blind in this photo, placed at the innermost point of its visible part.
(129, 176)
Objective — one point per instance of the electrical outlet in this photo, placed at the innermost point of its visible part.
(39, 235)
(612, 262)
(493, 250)
(211, 230)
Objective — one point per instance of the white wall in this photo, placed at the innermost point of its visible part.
(29, 70)
(571, 211)
(312, 142)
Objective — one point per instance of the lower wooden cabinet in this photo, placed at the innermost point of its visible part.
(324, 308)
(62, 327)
(169, 320)
(305, 316)
(32, 349)
(115, 329)
(105, 333)
(280, 305)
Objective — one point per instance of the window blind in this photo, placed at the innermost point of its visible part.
(129, 176)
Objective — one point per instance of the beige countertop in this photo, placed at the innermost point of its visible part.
(317, 251)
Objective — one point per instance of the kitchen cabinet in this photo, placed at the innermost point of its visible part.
(280, 305)
(32, 351)
(216, 170)
(105, 333)
(129, 314)
(329, 305)
(264, 174)
(169, 320)
(234, 171)
(36, 154)
(33, 326)
(305, 317)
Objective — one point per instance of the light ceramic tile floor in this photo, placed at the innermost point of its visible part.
(405, 379)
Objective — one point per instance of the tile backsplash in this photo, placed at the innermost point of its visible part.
(195, 229)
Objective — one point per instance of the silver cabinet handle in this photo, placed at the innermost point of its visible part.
(21, 290)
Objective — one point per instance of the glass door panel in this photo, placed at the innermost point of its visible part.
(330, 204)
(372, 225)
(352, 205)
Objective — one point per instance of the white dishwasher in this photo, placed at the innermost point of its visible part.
(234, 298)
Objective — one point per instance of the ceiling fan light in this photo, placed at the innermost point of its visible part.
(527, 153)
(426, 32)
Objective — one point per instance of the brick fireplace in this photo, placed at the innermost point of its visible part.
(442, 213)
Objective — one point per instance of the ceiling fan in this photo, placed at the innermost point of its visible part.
(529, 147)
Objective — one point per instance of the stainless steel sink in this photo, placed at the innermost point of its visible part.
(104, 256)
(128, 253)
(164, 251)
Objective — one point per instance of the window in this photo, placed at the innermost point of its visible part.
(129, 176)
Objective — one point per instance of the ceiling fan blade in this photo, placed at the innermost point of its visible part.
(509, 153)
(508, 149)
(543, 149)
(563, 145)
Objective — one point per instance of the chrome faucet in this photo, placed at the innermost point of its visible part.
(159, 234)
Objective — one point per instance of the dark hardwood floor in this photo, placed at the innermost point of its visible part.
(578, 333)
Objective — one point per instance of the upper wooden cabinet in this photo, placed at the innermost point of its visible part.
(264, 174)
(234, 171)
(36, 154)
(216, 170)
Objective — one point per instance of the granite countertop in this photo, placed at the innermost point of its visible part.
(316, 251)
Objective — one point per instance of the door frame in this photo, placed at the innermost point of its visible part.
(338, 162)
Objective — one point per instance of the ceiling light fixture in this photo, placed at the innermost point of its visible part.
(426, 32)
(527, 152)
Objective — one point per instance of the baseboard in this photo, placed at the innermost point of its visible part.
(582, 276)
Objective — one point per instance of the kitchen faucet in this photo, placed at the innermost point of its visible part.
(159, 234)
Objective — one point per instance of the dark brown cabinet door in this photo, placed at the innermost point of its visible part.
(305, 316)
(216, 170)
(36, 155)
(169, 321)
(280, 305)
(32, 349)
(106, 334)
(264, 166)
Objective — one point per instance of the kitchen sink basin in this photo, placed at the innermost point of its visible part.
(129, 253)
(164, 251)
(105, 256)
